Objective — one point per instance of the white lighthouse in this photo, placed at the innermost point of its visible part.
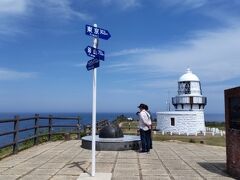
(189, 104)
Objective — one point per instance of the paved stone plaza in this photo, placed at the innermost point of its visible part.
(67, 160)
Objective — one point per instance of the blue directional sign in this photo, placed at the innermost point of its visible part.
(97, 32)
(95, 53)
(91, 64)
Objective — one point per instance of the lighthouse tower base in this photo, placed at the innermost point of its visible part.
(183, 122)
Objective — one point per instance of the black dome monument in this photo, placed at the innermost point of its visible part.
(111, 138)
(110, 131)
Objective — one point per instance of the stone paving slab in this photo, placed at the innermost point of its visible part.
(66, 160)
(98, 176)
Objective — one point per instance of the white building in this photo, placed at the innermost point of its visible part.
(189, 104)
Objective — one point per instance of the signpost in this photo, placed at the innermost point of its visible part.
(97, 32)
(91, 64)
(97, 54)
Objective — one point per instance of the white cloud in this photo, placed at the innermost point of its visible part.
(213, 56)
(188, 4)
(61, 8)
(7, 74)
(226, 12)
(129, 3)
(14, 12)
(10, 13)
(13, 7)
(9, 29)
(161, 83)
(131, 51)
(124, 91)
(80, 65)
(123, 4)
(118, 67)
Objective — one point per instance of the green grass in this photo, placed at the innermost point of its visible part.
(5, 151)
(208, 139)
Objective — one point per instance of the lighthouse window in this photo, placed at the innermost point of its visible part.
(181, 88)
(187, 88)
(172, 121)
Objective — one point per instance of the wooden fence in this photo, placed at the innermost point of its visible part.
(37, 130)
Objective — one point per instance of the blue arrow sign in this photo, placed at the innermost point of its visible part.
(97, 32)
(95, 53)
(91, 64)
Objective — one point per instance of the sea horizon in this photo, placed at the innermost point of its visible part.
(86, 117)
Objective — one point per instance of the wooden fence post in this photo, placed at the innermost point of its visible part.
(49, 127)
(16, 134)
(85, 129)
(36, 129)
(79, 127)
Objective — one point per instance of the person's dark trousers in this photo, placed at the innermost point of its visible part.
(149, 139)
(144, 142)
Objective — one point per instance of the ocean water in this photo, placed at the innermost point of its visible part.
(86, 118)
(214, 117)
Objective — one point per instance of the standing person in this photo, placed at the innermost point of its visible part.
(149, 133)
(144, 126)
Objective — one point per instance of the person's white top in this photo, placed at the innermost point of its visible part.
(144, 120)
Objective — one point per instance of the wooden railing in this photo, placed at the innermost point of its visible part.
(39, 130)
(49, 128)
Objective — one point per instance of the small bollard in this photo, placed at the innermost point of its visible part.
(204, 133)
(171, 133)
(213, 133)
(162, 132)
(66, 136)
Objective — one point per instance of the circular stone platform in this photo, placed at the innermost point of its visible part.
(127, 142)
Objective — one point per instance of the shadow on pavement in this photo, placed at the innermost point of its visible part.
(79, 165)
(215, 167)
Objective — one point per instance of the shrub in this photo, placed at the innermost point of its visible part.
(192, 140)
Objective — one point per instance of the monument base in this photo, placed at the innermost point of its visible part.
(127, 142)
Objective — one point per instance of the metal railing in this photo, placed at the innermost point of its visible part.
(189, 100)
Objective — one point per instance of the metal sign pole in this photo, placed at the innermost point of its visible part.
(94, 121)
(97, 55)
(95, 45)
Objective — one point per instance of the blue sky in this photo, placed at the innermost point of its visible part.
(42, 58)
